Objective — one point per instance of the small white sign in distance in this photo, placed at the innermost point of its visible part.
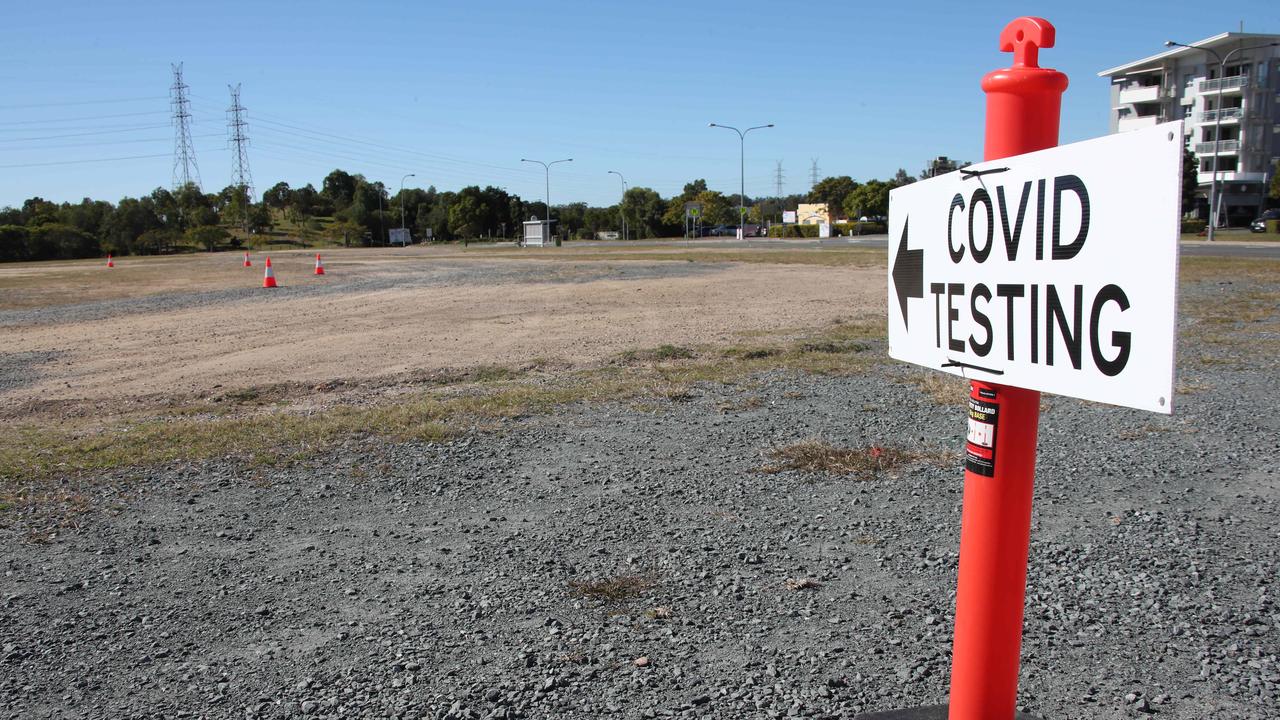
(1054, 271)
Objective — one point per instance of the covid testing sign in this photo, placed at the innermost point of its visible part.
(1053, 271)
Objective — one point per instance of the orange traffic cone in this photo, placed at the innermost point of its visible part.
(269, 280)
(110, 262)
(246, 260)
(319, 265)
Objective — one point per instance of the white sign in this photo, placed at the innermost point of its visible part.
(824, 230)
(789, 216)
(1055, 270)
(400, 236)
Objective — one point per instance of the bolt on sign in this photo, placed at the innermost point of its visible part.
(1053, 271)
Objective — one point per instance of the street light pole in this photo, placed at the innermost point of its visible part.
(742, 172)
(624, 197)
(402, 198)
(547, 169)
(1217, 123)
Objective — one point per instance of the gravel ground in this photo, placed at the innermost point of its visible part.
(456, 580)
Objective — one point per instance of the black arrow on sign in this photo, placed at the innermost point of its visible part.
(908, 273)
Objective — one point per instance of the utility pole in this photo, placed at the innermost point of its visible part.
(185, 170)
(241, 178)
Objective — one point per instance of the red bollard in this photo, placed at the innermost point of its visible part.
(1023, 108)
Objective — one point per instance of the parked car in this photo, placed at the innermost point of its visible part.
(1259, 225)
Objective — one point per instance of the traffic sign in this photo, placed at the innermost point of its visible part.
(1054, 271)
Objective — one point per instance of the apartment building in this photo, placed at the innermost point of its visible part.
(1232, 114)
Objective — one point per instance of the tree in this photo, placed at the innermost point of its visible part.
(644, 210)
(902, 177)
(88, 215)
(346, 231)
(277, 196)
(55, 241)
(833, 191)
(155, 242)
(691, 190)
(868, 200)
(165, 207)
(130, 219)
(1190, 179)
(13, 243)
(340, 188)
(38, 211)
(207, 235)
(466, 214)
(1275, 182)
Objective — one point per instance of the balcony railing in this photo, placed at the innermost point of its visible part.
(1139, 94)
(1215, 148)
(1227, 114)
(1227, 83)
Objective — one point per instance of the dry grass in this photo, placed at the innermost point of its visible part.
(616, 589)
(802, 584)
(806, 255)
(1199, 268)
(662, 353)
(41, 465)
(819, 456)
(943, 389)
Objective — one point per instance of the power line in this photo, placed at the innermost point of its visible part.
(104, 142)
(80, 102)
(184, 152)
(777, 180)
(46, 121)
(813, 174)
(108, 131)
(77, 162)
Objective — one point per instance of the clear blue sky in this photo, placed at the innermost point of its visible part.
(458, 92)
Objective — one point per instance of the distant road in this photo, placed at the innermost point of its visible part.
(1237, 244)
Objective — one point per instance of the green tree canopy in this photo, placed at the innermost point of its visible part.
(868, 200)
(644, 210)
(833, 191)
(339, 188)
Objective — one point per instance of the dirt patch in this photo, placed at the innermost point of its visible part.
(385, 315)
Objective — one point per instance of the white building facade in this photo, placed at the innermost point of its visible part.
(1232, 114)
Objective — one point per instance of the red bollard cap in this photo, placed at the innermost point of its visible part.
(1024, 102)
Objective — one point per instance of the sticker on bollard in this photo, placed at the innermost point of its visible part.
(980, 445)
